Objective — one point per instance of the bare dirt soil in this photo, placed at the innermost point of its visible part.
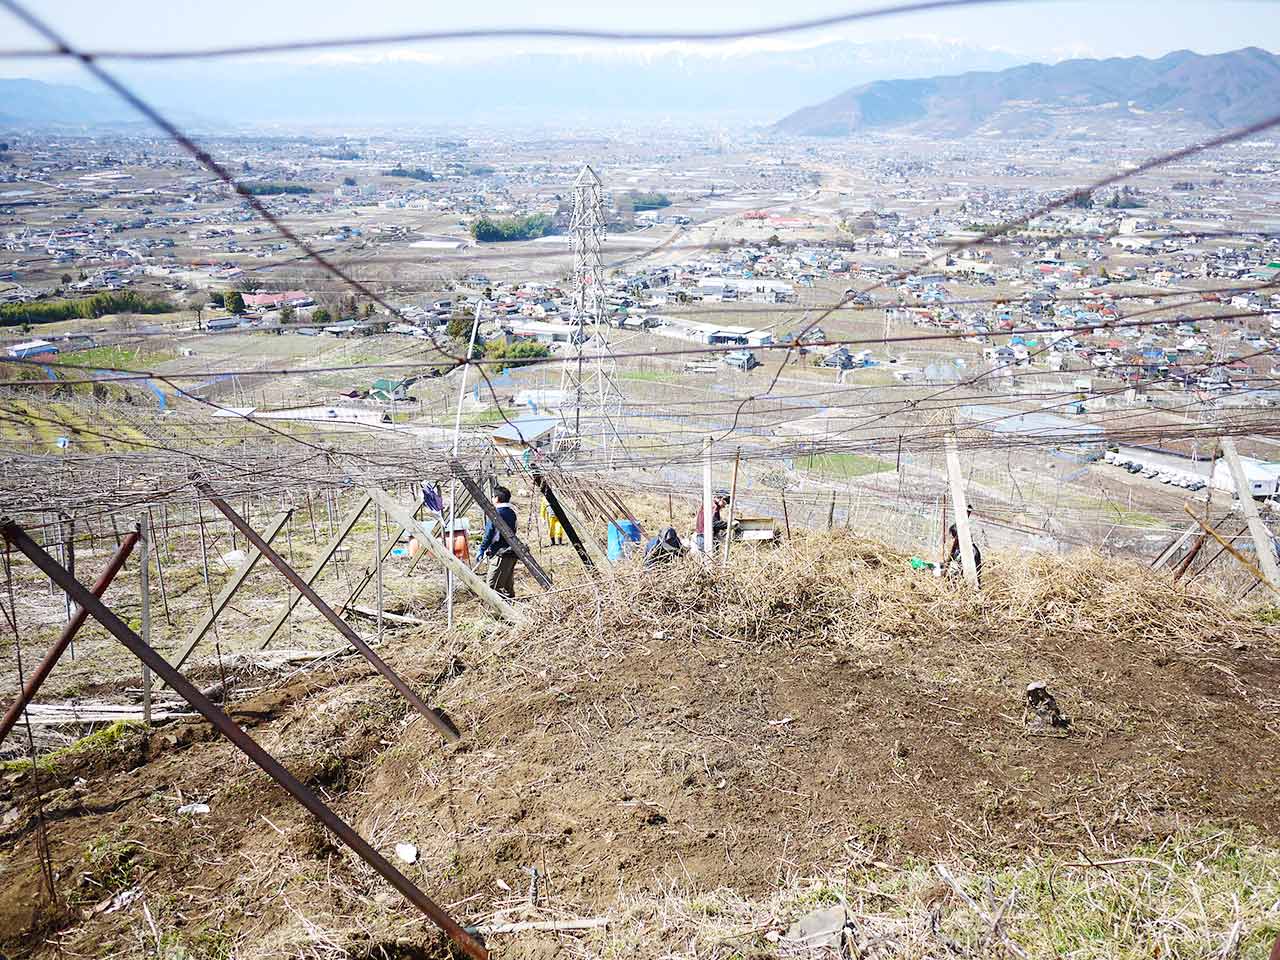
(676, 728)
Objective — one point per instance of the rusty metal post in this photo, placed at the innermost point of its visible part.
(440, 722)
(733, 503)
(232, 731)
(144, 587)
(553, 501)
(1190, 557)
(68, 634)
(491, 513)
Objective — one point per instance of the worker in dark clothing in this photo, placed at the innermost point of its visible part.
(953, 551)
(663, 548)
(719, 501)
(494, 546)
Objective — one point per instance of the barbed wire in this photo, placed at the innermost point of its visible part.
(118, 375)
(500, 33)
(328, 266)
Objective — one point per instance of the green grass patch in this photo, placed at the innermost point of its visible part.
(1111, 510)
(1268, 615)
(118, 357)
(42, 424)
(486, 416)
(110, 864)
(1179, 898)
(843, 465)
(871, 377)
(650, 376)
(98, 743)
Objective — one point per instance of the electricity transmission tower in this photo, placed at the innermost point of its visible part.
(587, 378)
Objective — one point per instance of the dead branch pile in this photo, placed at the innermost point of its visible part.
(813, 590)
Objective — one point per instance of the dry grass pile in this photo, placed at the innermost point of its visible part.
(813, 589)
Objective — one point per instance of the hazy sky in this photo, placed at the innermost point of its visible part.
(1042, 30)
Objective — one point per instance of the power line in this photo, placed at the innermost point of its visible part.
(133, 375)
(494, 33)
(321, 261)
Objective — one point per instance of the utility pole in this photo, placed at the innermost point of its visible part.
(453, 481)
(589, 383)
(708, 506)
(144, 537)
(1257, 528)
(960, 505)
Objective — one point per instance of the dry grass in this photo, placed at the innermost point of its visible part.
(814, 588)
(1214, 894)
(574, 719)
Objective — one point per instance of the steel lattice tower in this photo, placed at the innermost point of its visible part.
(587, 378)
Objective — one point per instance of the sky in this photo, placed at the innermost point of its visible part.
(1051, 31)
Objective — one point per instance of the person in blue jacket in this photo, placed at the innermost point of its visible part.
(494, 546)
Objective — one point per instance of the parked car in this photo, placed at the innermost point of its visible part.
(1134, 468)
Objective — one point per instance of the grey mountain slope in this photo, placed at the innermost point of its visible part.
(33, 102)
(492, 87)
(1218, 91)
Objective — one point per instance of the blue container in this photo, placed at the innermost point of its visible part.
(621, 532)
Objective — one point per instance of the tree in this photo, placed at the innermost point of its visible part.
(99, 305)
(459, 326)
(249, 284)
(199, 316)
(66, 278)
(518, 354)
(218, 298)
(287, 314)
(651, 200)
(348, 181)
(1081, 200)
(368, 310)
(321, 315)
(234, 302)
(488, 230)
(417, 173)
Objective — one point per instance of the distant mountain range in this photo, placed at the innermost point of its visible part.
(1080, 97)
(31, 102)
(711, 83)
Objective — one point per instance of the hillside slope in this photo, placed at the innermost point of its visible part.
(687, 748)
(35, 103)
(1224, 90)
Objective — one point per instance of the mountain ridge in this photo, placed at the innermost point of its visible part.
(753, 85)
(1215, 91)
(27, 102)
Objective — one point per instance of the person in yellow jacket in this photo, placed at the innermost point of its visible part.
(554, 529)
